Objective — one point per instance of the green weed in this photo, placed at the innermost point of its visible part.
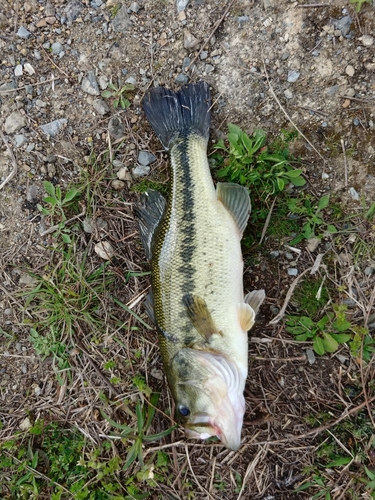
(119, 95)
(326, 334)
(57, 207)
(312, 214)
(139, 436)
(250, 162)
(311, 296)
(358, 4)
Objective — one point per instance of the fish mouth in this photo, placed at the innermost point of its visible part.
(205, 426)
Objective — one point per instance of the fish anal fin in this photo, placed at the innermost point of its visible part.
(246, 316)
(236, 200)
(255, 299)
(200, 316)
(149, 213)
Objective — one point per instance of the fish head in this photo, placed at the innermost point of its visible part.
(208, 392)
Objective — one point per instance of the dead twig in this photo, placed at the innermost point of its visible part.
(278, 317)
(210, 35)
(345, 163)
(265, 227)
(286, 114)
(56, 227)
(14, 162)
(2, 92)
(313, 5)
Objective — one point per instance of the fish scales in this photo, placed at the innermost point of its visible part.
(193, 241)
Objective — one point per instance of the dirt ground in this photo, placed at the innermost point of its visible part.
(271, 64)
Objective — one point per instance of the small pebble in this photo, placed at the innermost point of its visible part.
(23, 32)
(118, 185)
(274, 254)
(310, 356)
(369, 271)
(145, 158)
(29, 69)
(293, 76)
(182, 79)
(134, 7)
(189, 40)
(356, 122)
(242, 19)
(288, 94)
(292, 271)
(349, 70)
(52, 128)
(203, 55)
(105, 250)
(353, 193)
(367, 40)
(18, 70)
(89, 84)
(141, 170)
(56, 48)
(123, 174)
(101, 106)
(116, 128)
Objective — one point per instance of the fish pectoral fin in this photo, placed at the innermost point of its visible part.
(236, 200)
(200, 316)
(246, 316)
(255, 299)
(149, 213)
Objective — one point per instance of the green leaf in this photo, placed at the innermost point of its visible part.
(70, 195)
(51, 200)
(370, 473)
(280, 184)
(220, 145)
(339, 461)
(49, 188)
(298, 181)
(132, 455)
(234, 129)
(331, 228)
(323, 202)
(341, 338)
(322, 322)
(318, 346)
(341, 325)
(66, 238)
(106, 94)
(330, 344)
(293, 173)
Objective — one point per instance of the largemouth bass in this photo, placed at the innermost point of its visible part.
(193, 242)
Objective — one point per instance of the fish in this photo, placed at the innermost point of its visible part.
(193, 241)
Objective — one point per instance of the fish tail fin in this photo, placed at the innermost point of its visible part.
(177, 114)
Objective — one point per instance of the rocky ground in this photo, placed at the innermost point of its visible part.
(66, 69)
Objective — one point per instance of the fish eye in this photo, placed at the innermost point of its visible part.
(183, 410)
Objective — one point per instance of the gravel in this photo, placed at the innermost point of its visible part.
(15, 121)
(89, 84)
(53, 128)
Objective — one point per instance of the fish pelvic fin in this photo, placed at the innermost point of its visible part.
(255, 299)
(246, 316)
(176, 114)
(236, 200)
(200, 316)
(149, 213)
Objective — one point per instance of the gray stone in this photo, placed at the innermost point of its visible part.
(331, 91)
(14, 122)
(343, 24)
(89, 84)
(209, 68)
(131, 80)
(32, 193)
(141, 170)
(8, 86)
(101, 106)
(310, 356)
(274, 254)
(52, 128)
(134, 7)
(19, 140)
(189, 40)
(242, 19)
(116, 128)
(288, 255)
(181, 5)
(122, 21)
(203, 55)
(145, 158)
(356, 122)
(18, 70)
(56, 48)
(23, 32)
(369, 271)
(293, 76)
(73, 10)
(292, 271)
(353, 193)
(182, 79)
(285, 56)
(288, 94)
(186, 62)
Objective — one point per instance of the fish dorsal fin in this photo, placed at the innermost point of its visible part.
(199, 315)
(150, 212)
(255, 299)
(236, 200)
(246, 315)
